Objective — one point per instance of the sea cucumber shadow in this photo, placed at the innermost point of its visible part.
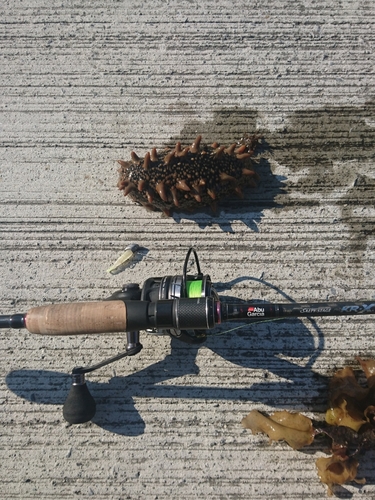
(330, 149)
(226, 127)
(248, 210)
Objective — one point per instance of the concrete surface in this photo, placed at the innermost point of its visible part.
(85, 83)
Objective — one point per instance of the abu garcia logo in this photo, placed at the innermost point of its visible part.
(255, 311)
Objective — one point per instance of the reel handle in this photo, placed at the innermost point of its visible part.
(79, 406)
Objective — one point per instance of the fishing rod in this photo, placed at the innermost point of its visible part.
(182, 306)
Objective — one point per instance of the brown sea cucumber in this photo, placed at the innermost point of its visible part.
(191, 177)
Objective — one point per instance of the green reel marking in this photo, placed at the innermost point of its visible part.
(194, 289)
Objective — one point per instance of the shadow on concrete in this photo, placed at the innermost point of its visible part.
(226, 127)
(331, 149)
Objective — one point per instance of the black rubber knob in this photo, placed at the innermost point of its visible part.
(79, 406)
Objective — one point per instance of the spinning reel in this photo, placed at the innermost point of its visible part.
(169, 288)
(163, 292)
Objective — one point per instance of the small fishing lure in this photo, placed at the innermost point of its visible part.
(125, 259)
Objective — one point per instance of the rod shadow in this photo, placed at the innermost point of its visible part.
(257, 347)
(284, 349)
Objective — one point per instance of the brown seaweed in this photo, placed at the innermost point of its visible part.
(294, 428)
(368, 366)
(345, 442)
(349, 425)
(345, 414)
(333, 470)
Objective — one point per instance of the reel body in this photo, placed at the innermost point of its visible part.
(172, 287)
(178, 287)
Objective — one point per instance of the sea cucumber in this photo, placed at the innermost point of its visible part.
(189, 178)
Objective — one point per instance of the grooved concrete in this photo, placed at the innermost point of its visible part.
(85, 83)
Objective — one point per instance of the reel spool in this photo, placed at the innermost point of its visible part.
(177, 287)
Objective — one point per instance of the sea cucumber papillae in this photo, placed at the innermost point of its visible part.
(189, 178)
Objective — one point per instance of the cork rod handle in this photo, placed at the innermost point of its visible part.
(77, 318)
